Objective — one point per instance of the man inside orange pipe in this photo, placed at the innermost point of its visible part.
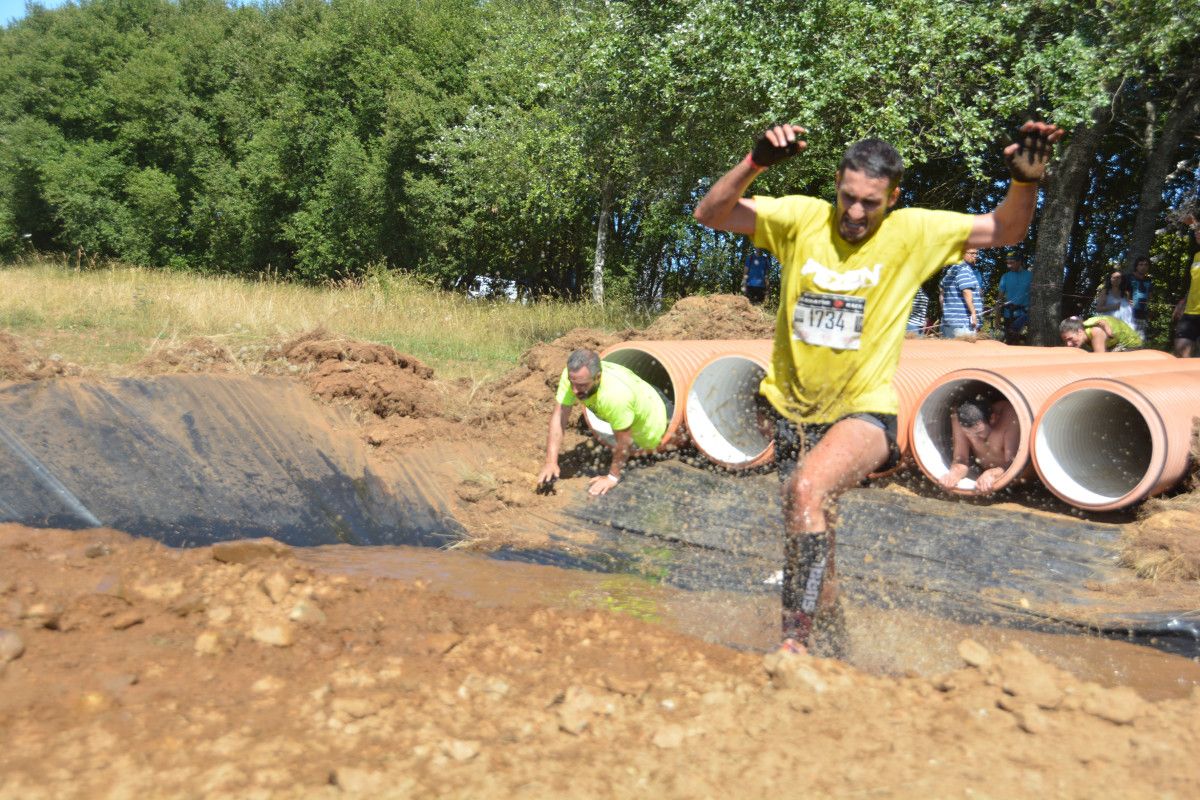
(987, 433)
(849, 273)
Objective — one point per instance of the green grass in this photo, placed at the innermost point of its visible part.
(111, 317)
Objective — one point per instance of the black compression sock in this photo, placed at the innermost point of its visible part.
(805, 561)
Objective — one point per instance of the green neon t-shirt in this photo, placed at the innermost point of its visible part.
(1122, 334)
(624, 401)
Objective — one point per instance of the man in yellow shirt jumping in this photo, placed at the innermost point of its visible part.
(849, 273)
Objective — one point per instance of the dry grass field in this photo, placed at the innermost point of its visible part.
(115, 315)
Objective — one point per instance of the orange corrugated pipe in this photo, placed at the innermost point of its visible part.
(1022, 384)
(1107, 443)
(667, 365)
(721, 413)
(914, 374)
(721, 408)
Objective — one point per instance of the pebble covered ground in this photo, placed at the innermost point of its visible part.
(133, 670)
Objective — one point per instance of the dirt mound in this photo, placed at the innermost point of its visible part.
(1165, 543)
(127, 669)
(1165, 546)
(19, 362)
(375, 378)
(198, 354)
(717, 316)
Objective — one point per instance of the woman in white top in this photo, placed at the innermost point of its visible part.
(1114, 299)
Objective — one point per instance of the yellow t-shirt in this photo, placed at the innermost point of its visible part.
(843, 306)
(1193, 299)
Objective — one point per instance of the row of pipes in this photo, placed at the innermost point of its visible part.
(1101, 431)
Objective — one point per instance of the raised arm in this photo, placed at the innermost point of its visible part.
(724, 207)
(1027, 159)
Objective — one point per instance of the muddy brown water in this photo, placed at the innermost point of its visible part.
(886, 642)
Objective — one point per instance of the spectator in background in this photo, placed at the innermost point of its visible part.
(1113, 298)
(919, 313)
(1187, 310)
(960, 292)
(1012, 304)
(1100, 334)
(754, 277)
(1140, 288)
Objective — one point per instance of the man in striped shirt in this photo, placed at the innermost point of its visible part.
(962, 298)
(919, 313)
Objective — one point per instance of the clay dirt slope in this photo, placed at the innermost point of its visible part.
(131, 670)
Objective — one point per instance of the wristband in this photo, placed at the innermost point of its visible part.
(1016, 182)
(614, 478)
(749, 160)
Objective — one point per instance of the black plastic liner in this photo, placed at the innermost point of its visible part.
(955, 560)
(194, 459)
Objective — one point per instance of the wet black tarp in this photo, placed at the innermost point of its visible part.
(957, 560)
(194, 459)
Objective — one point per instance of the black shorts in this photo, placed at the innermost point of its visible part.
(793, 439)
(1188, 327)
(756, 294)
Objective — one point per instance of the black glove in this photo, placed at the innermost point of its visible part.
(1028, 163)
(766, 154)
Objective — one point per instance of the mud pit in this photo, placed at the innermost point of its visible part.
(248, 670)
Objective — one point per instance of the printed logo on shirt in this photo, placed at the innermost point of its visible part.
(831, 281)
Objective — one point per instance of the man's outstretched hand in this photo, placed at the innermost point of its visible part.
(776, 144)
(1029, 155)
(547, 477)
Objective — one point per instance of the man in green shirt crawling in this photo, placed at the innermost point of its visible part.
(1102, 334)
(637, 411)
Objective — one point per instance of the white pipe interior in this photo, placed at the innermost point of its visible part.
(646, 367)
(1093, 446)
(722, 410)
(932, 434)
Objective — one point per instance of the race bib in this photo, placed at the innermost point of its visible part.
(829, 320)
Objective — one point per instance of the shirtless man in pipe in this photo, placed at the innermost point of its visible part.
(849, 274)
(988, 433)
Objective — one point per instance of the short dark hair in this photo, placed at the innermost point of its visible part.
(1070, 325)
(584, 358)
(876, 158)
(972, 412)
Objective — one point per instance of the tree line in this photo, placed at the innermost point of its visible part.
(564, 145)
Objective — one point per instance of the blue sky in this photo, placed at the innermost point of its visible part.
(15, 9)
